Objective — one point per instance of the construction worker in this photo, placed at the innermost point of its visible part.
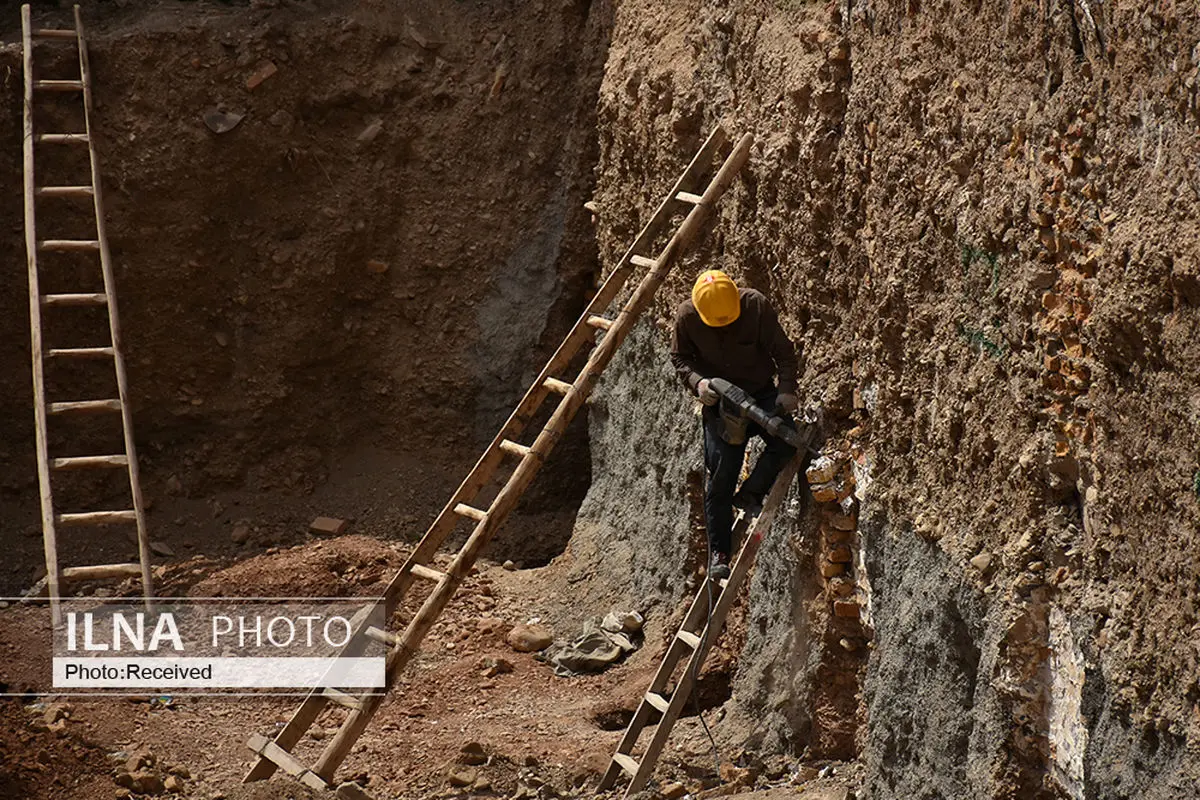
(731, 333)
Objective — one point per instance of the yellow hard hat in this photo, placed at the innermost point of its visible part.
(715, 296)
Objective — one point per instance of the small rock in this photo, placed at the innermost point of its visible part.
(352, 791)
(472, 754)
(673, 791)
(174, 485)
(495, 666)
(162, 549)
(509, 565)
(222, 339)
(240, 535)
(529, 638)
(482, 785)
(370, 132)
(282, 119)
(328, 526)
(147, 782)
(462, 777)
(173, 784)
(377, 267)
(982, 561)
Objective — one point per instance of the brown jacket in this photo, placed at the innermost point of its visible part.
(748, 352)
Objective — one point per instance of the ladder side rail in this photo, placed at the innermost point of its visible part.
(446, 520)
(113, 322)
(692, 671)
(35, 331)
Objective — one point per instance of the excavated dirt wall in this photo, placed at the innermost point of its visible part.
(379, 255)
(978, 219)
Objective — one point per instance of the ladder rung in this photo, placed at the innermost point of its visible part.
(85, 406)
(68, 245)
(513, 448)
(285, 761)
(428, 573)
(81, 352)
(641, 261)
(53, 33)
(97, 518)
(62, 138)
(101, 571)
(381, 636)
(74, 299)
(688, 197)
(600, 323)
(470, 512)
(690, 639)
(555, 385)
(627, 763)
(83, 462)
(64, 191)
(59, 86)
(658, 701)
(343, 699)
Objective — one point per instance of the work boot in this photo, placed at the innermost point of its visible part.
(751, 504)
(718, 570)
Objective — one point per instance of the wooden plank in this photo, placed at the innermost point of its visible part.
(90, 299)
(343, 699)
(627, 763)
(429, 574)
(35, 331)
(600, 323)
(63, 191)
(86, 462)
(61, 138)
(135, 486)
(68, 245)
(59, 86)
(656, 700)
(53, 33)
(642, 261)
(689, 638)
(285, 761)
(557, 386)
(688, 197)
(470, 512)
(101, 572)
(85, 406)
(381, 636)
(81, 352)
(514, 449)
(97, 517)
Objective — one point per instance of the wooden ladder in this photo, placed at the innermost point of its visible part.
(689, 196)
(694, 639)
(90, 191)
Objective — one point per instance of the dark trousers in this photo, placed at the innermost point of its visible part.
(724, 464)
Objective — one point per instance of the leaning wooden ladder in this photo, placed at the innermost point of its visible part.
(127, 460)
(686, 196)
(694, 639)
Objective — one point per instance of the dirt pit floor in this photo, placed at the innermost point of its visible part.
(473, 717)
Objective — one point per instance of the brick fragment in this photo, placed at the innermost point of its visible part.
(841, 555)
(829, 569)
(845, 608)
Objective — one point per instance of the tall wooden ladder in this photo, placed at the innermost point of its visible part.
(690, 196)
(108, 351)
(695, 637)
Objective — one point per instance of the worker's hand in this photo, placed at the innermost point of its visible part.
(788, 402)
(706, 393)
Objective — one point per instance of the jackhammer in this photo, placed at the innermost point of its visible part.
(737, 403)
